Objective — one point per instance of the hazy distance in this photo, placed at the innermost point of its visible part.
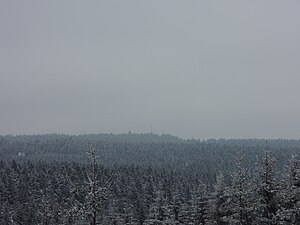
(202, 69)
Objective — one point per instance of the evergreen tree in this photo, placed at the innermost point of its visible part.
(202, 205)
(221, 211)
(267, 191)
(289, 211)
(241, 191)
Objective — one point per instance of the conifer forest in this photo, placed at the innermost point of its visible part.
(131, 112)
(148, 179)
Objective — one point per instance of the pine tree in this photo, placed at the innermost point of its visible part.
(289, 212)
(267, 191)
(202, 205)
(241, 191)
(221, 211)
(97, 194)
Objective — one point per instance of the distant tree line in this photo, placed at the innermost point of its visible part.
(203, 158)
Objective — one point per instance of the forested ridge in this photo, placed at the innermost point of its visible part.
(148, 179)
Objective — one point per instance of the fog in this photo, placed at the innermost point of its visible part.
(201, 69)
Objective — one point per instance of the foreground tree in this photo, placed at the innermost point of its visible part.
(267, 191)
(202, 205)
(87, 204)
(221, 211)
(289, 212)
(97, 194)
(242, 194)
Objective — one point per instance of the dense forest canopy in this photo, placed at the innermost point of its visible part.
(159, 151)
(148, 179)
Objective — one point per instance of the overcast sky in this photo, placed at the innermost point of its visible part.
(202, 69)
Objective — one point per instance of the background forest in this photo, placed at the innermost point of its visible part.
(148, 179)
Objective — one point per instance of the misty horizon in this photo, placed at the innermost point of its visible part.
(197, 69)
(159, 135)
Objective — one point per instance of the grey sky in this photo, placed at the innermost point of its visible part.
(190, 68)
